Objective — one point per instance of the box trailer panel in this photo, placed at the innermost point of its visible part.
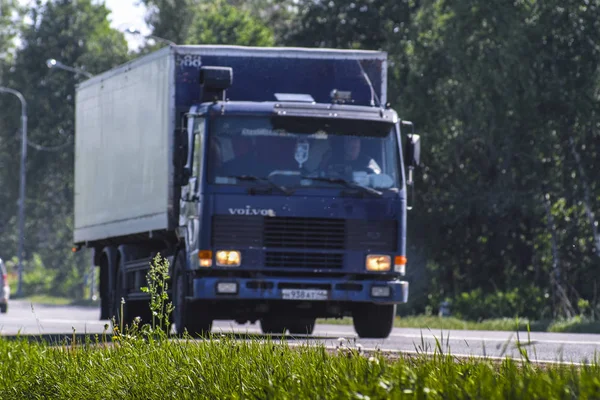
(123, 151)
(260, 72)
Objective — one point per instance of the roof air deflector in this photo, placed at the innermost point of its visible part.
(294, 97)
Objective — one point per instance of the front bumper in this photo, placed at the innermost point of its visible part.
(205, 288)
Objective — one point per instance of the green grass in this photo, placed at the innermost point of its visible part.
(59, 301)
(575, 325)
(225, 368)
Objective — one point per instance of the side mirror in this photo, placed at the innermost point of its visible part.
(412, 154)
(412, 158)
(412, 148)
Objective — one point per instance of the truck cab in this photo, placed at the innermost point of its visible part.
(294, 210)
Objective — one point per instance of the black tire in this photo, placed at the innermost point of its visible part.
(272, 326)
(3, 308)
(374, 321)
(190, 317)
(304, 326)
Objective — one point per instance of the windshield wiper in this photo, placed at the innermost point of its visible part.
(267, 180)
(344, 182)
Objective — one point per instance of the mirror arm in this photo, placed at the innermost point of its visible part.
(410, 183)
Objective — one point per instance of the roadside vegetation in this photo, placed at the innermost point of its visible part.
(218, 368)
(576, 324)
(145, 361)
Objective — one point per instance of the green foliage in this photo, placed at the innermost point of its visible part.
(170, 19)
(36, 278)
(77, 34)
(9, 24)
(39, 280)
(497, 145)
(227, 368)
(528, 302)
(220, 23)
(157, 278)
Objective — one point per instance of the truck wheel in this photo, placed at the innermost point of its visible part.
(373, 320)
(3, 308)
(186, 315)
(304, 326)
(272, 326)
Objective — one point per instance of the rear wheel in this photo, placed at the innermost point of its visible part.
(373, 320)
(190, 317)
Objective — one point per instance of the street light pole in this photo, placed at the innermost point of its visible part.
(52, 63)
(21, 183)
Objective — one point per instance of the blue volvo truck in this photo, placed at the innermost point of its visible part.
(275, 181)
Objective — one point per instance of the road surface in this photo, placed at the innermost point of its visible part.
(28, 319)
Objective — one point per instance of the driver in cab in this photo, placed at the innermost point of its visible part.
(352, 159)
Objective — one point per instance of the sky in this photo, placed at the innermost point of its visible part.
(124, 13)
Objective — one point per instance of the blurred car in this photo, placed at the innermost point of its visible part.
(4, 288)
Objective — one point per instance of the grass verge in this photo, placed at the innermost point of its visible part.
(574, 325)
(48, 300)
(226, 368)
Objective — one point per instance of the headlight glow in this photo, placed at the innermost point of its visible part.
(228, 258)
(378, 262)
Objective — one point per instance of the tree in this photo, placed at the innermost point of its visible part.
(77, 34)
(195, 21)
(221, 23)
(170, 19)
(497, 89)
(9, 16)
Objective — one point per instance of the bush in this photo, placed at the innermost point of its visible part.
(529, 302)
(36, 278)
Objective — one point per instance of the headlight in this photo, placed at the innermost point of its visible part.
(377, 262)
(228, 258)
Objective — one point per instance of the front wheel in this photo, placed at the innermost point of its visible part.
(187, 316)
(373, 320)
(272, 326)
(302, 326)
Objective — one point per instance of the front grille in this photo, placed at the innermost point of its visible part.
(372, 235)
(237, 231)
(303, 260)
(304, 233)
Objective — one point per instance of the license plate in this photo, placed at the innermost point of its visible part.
(304, 294)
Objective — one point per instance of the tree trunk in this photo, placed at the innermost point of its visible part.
(560, 296)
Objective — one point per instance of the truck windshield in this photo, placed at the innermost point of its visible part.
(253, 149)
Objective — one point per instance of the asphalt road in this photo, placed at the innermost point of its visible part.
(29, 319)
